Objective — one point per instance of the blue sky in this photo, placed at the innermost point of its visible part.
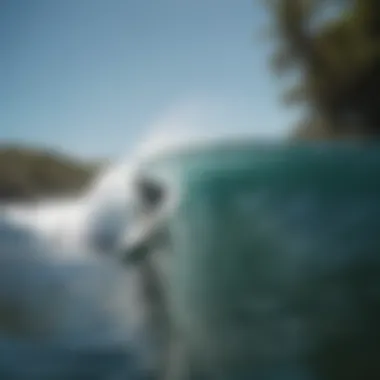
(91, 76)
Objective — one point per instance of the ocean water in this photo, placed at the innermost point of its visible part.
(66, 315)
(68, 312)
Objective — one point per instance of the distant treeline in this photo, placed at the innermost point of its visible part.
(27, 174)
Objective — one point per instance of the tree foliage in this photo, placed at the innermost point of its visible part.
(335, 45)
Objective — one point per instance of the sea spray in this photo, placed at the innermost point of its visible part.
(101, 212)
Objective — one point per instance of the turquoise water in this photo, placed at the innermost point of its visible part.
(274, 258)
(26, 361)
